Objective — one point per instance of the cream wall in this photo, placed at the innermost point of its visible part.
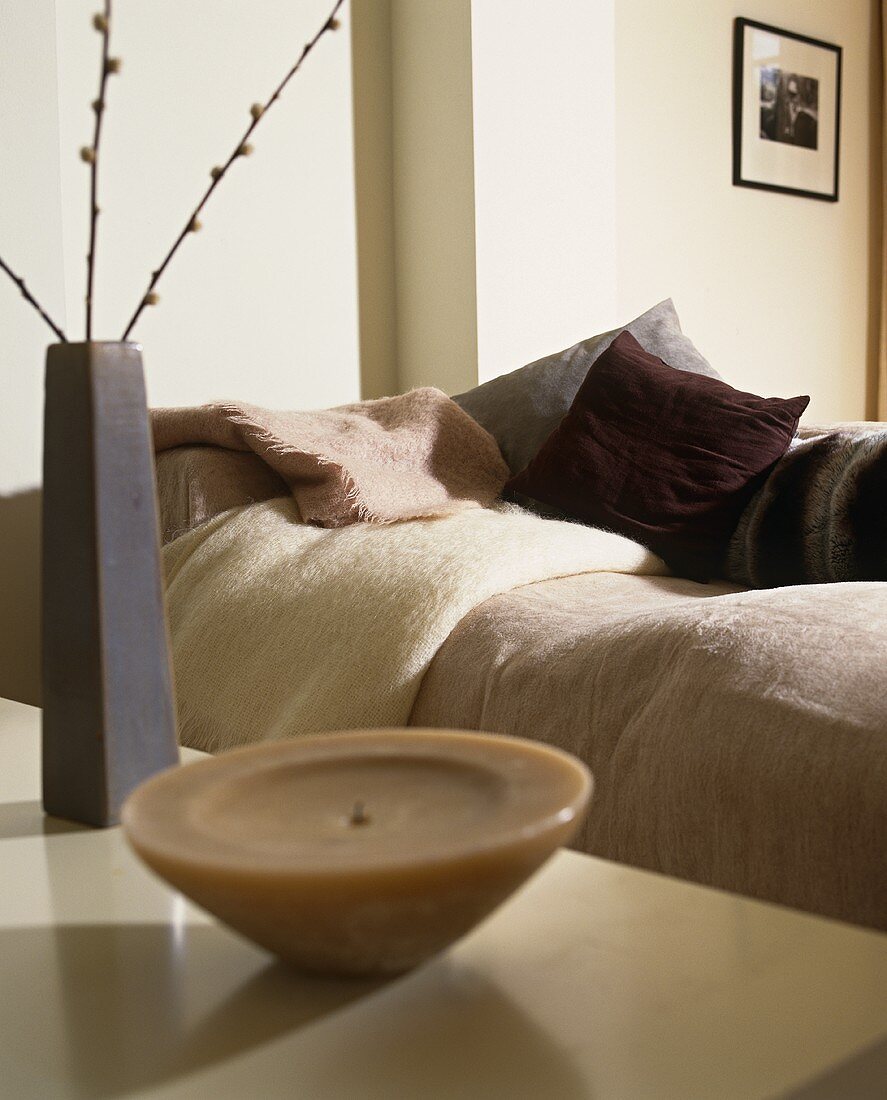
(30, 227)
(262, 303)
(774, 289)
(31, 241)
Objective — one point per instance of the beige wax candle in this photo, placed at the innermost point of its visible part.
(361, 852)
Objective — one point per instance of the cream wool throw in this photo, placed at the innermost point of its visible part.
(279, 629)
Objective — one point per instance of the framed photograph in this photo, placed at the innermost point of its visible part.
(786, 111)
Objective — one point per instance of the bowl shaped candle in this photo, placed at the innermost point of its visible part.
(362, 852)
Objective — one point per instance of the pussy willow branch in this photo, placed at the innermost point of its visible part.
(104, 26)
(242, 148)
(29, 297)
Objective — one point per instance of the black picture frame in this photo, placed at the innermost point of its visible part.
(772, 150)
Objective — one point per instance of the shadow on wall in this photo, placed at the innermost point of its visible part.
(20, 596)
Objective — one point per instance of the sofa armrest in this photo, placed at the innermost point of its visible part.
(196, 483)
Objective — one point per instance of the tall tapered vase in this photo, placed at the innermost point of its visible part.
(108, 707)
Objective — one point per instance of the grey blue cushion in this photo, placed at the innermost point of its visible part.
(520, 410)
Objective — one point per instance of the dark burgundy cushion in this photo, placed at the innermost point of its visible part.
(666, 457)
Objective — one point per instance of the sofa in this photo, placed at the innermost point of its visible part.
(737, 737)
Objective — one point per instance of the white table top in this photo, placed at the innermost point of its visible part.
(594, 981)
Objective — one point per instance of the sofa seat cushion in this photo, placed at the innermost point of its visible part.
(737, 739)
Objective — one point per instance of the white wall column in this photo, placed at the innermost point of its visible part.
(503, 183)
(436, 302)
(543, 78)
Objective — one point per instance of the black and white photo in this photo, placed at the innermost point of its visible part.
(789, 107)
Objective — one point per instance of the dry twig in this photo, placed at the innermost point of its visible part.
(241, 149)
(90, 154)
(29, 297)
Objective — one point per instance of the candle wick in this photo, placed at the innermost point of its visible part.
(359, 815)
